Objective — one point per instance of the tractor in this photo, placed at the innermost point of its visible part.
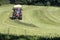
(17, 14)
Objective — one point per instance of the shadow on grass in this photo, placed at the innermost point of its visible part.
(23, 23)
(25, 37)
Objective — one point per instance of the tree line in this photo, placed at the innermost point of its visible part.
(33, 2)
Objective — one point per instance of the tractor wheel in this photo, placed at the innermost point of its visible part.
(12, 18)
(20, 18)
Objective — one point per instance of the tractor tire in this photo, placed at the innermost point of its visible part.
(20, 17)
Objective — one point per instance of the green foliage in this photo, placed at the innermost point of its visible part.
(34, 2)
(26, 37)
(41, 2)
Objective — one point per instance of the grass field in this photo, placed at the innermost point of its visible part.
(37, 20)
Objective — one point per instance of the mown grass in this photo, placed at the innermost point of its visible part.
(37, 20)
